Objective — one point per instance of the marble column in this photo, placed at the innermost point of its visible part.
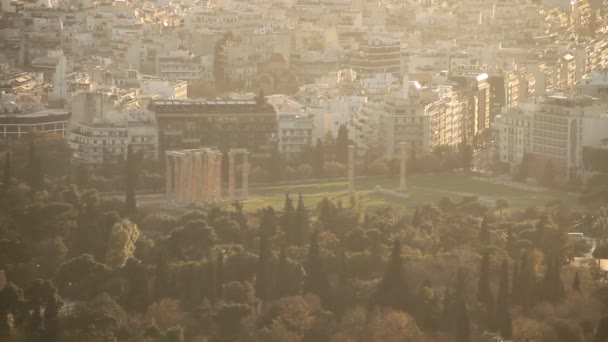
(185, 181)
(218, 176)
(168, 177)
(203, 176)
(231, 184)
(402, 175)
(182, 179)
(193, 178)
(245, 175)
(351, 168)
(176, 178)
(210, 177)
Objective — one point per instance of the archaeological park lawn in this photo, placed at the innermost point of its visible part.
(421, 189)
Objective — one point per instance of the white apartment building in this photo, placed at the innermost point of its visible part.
(405, 117)
(101, 142)
(295, 134)
(594, 84)
(166, 89)
(556, 129)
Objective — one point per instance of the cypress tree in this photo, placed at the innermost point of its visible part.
(131, 178)
(392, 290)
(301, 222)
(51, 318)
(463, 324)
(484, 293)
(576, 283)
(484, 233)
(503, 314)
(211, 281)
(527, 281)
(483, 286)
(340, 296)
(601, 334)
(342, 145)
(262, 279)
(316, 280)
(219, 275)
(287, 220)
(7, 172)
(515, 286)
(282, 280)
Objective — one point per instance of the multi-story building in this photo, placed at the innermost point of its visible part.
(295, 134)
(405, 118)
(14, 124)
(101, 142)
(223, 124)
(477, 86)
(377, 54)
(555, 129)
(594, 84)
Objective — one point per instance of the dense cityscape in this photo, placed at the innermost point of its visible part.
(303, 170)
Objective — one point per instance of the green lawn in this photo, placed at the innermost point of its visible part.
(421, 189)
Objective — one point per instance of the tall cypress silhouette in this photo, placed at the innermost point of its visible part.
(463, 324)
(7, 172)
(484, 294)
(316, 280)
(393, 290)
(131, 178)
(484, 233)
(503, 314)
(302, 222)
(219, 275)
(288, 218)
(576, 283)
(262, 279)
(342, 145)
(51, 317)
(416, 219)
(282, 279)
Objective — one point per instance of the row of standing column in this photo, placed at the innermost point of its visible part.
(197, 176)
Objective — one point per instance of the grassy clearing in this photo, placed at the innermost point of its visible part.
(421, 189)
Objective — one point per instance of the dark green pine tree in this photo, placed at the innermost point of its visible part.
(342, 145)
(288, 218)
(131, 179)
(52, 330)
(219, 275)
(601, 334)
(576, 283)
(503, 320)
(484, 293)
(463, 324)
(268, 221)
(211, 288)
(7, 173)
(262, 279)
(515, 285)
(416, 219)
(340, 293)
(466, 154)
(283, 278)
(316, 280)
(527, 281)
(302, 222)
(484, 233)
(393, 290)
(553, 287)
